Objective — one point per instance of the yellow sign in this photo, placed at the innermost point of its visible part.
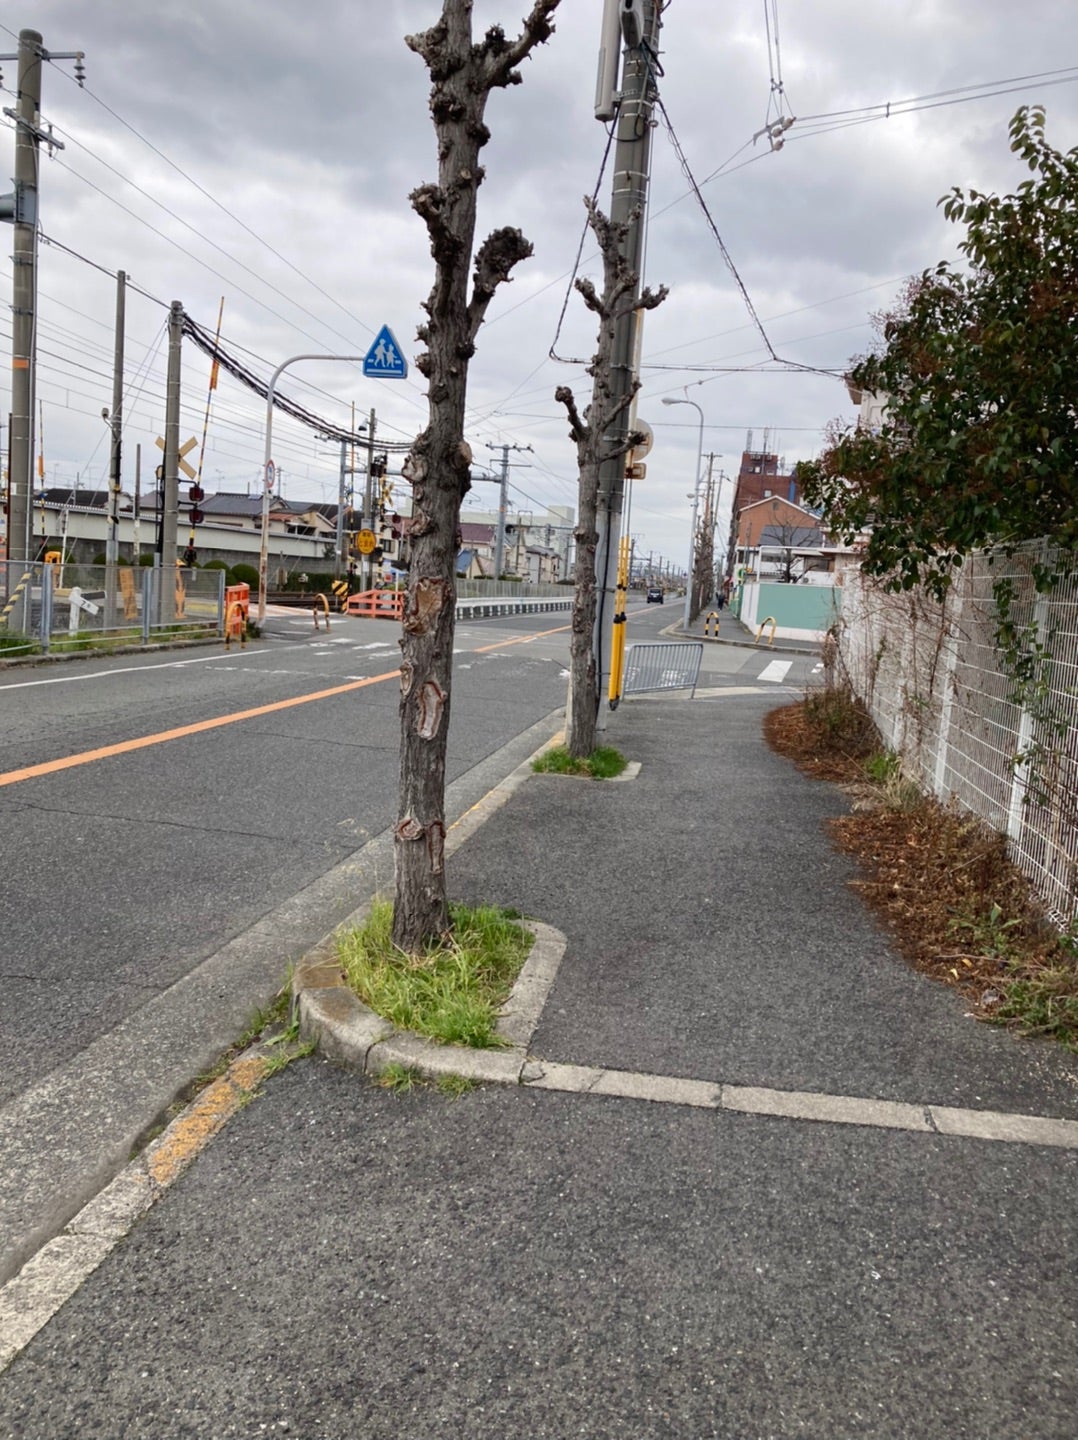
(366, 540)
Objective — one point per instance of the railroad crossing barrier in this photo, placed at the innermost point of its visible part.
(377, 604)
(663, 665)
(340, 590)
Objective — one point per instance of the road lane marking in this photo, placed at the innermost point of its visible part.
(776, 671)
(520, 640)
(198, 727)
(130, 670)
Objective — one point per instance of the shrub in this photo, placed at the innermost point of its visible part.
(244, 574)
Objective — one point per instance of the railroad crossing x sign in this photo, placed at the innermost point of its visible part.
(185, 449)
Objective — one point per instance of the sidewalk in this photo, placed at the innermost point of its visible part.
(730, 631)
(550, 1262)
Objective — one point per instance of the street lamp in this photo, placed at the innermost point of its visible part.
(672, 400)
(269, 470)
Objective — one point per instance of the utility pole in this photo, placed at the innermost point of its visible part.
(137, 509)
(170, 469)
(503, 505)
(21, 209)
(342, 492)
(368, 499)
(114, 419)
(639, 21)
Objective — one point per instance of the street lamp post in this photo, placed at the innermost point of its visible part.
(268, 468)
(672, 400)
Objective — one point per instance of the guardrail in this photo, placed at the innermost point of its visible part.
(478, 609)
(662, 665)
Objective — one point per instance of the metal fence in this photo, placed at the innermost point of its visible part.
(510, 590)
(48, 608)
(662, 665)
(944, 698)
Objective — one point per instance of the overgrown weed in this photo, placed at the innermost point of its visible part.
(955, 904)
(454, 992)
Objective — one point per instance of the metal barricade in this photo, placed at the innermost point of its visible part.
(662, 665)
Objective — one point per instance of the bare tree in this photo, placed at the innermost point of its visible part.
(463, 74)
(593, 449)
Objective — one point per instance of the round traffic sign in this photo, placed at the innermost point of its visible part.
(366, 540)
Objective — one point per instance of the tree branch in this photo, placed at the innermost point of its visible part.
(497, 255)
(578, 430)
(500, 56)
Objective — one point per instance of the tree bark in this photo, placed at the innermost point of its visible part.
(462, 74)
(587, 432)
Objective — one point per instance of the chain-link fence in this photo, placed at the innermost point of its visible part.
(992, 725)
(50, 607)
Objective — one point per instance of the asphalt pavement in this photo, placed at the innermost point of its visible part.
(851, 1226)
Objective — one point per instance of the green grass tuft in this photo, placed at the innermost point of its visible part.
(401, 1079)
(453, 992)
(603, 763)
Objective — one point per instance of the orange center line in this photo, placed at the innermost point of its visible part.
(520, 640)
(124, 747)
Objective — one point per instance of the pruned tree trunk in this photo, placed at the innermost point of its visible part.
(588, 433)
(463, 74)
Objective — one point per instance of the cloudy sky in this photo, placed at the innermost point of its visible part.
(264, 153)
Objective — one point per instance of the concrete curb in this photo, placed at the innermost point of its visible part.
(783, 647)
(347, 1031)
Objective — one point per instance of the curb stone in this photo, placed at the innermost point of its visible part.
(349, 1032)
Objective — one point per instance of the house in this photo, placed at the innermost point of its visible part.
(777, 539)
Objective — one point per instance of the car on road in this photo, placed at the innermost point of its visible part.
(655, 593)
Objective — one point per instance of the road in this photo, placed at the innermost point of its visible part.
(180, 829)
(124, 873)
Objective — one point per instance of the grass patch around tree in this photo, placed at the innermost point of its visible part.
(939, 879)
(454, 992)
(603, 763)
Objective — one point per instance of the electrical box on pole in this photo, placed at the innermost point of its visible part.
(606, 82)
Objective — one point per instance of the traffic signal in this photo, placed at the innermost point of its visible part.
(189, 555)
(195, 515)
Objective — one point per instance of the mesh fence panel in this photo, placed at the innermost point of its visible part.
(57, 607)
(942, 693)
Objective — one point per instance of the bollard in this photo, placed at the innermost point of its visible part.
(770, 620)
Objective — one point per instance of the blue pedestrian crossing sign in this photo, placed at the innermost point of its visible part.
(384, 360)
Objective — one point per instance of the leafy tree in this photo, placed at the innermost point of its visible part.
(462, 74)
(978, 444)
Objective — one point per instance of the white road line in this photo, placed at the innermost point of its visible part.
(776, 671)
(130, 670)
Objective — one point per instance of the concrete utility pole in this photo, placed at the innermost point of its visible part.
(368, 499)
(115, 419)
(21, 209)
(639, 21)
(23, 294)
(503, 505)
(170, 466)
